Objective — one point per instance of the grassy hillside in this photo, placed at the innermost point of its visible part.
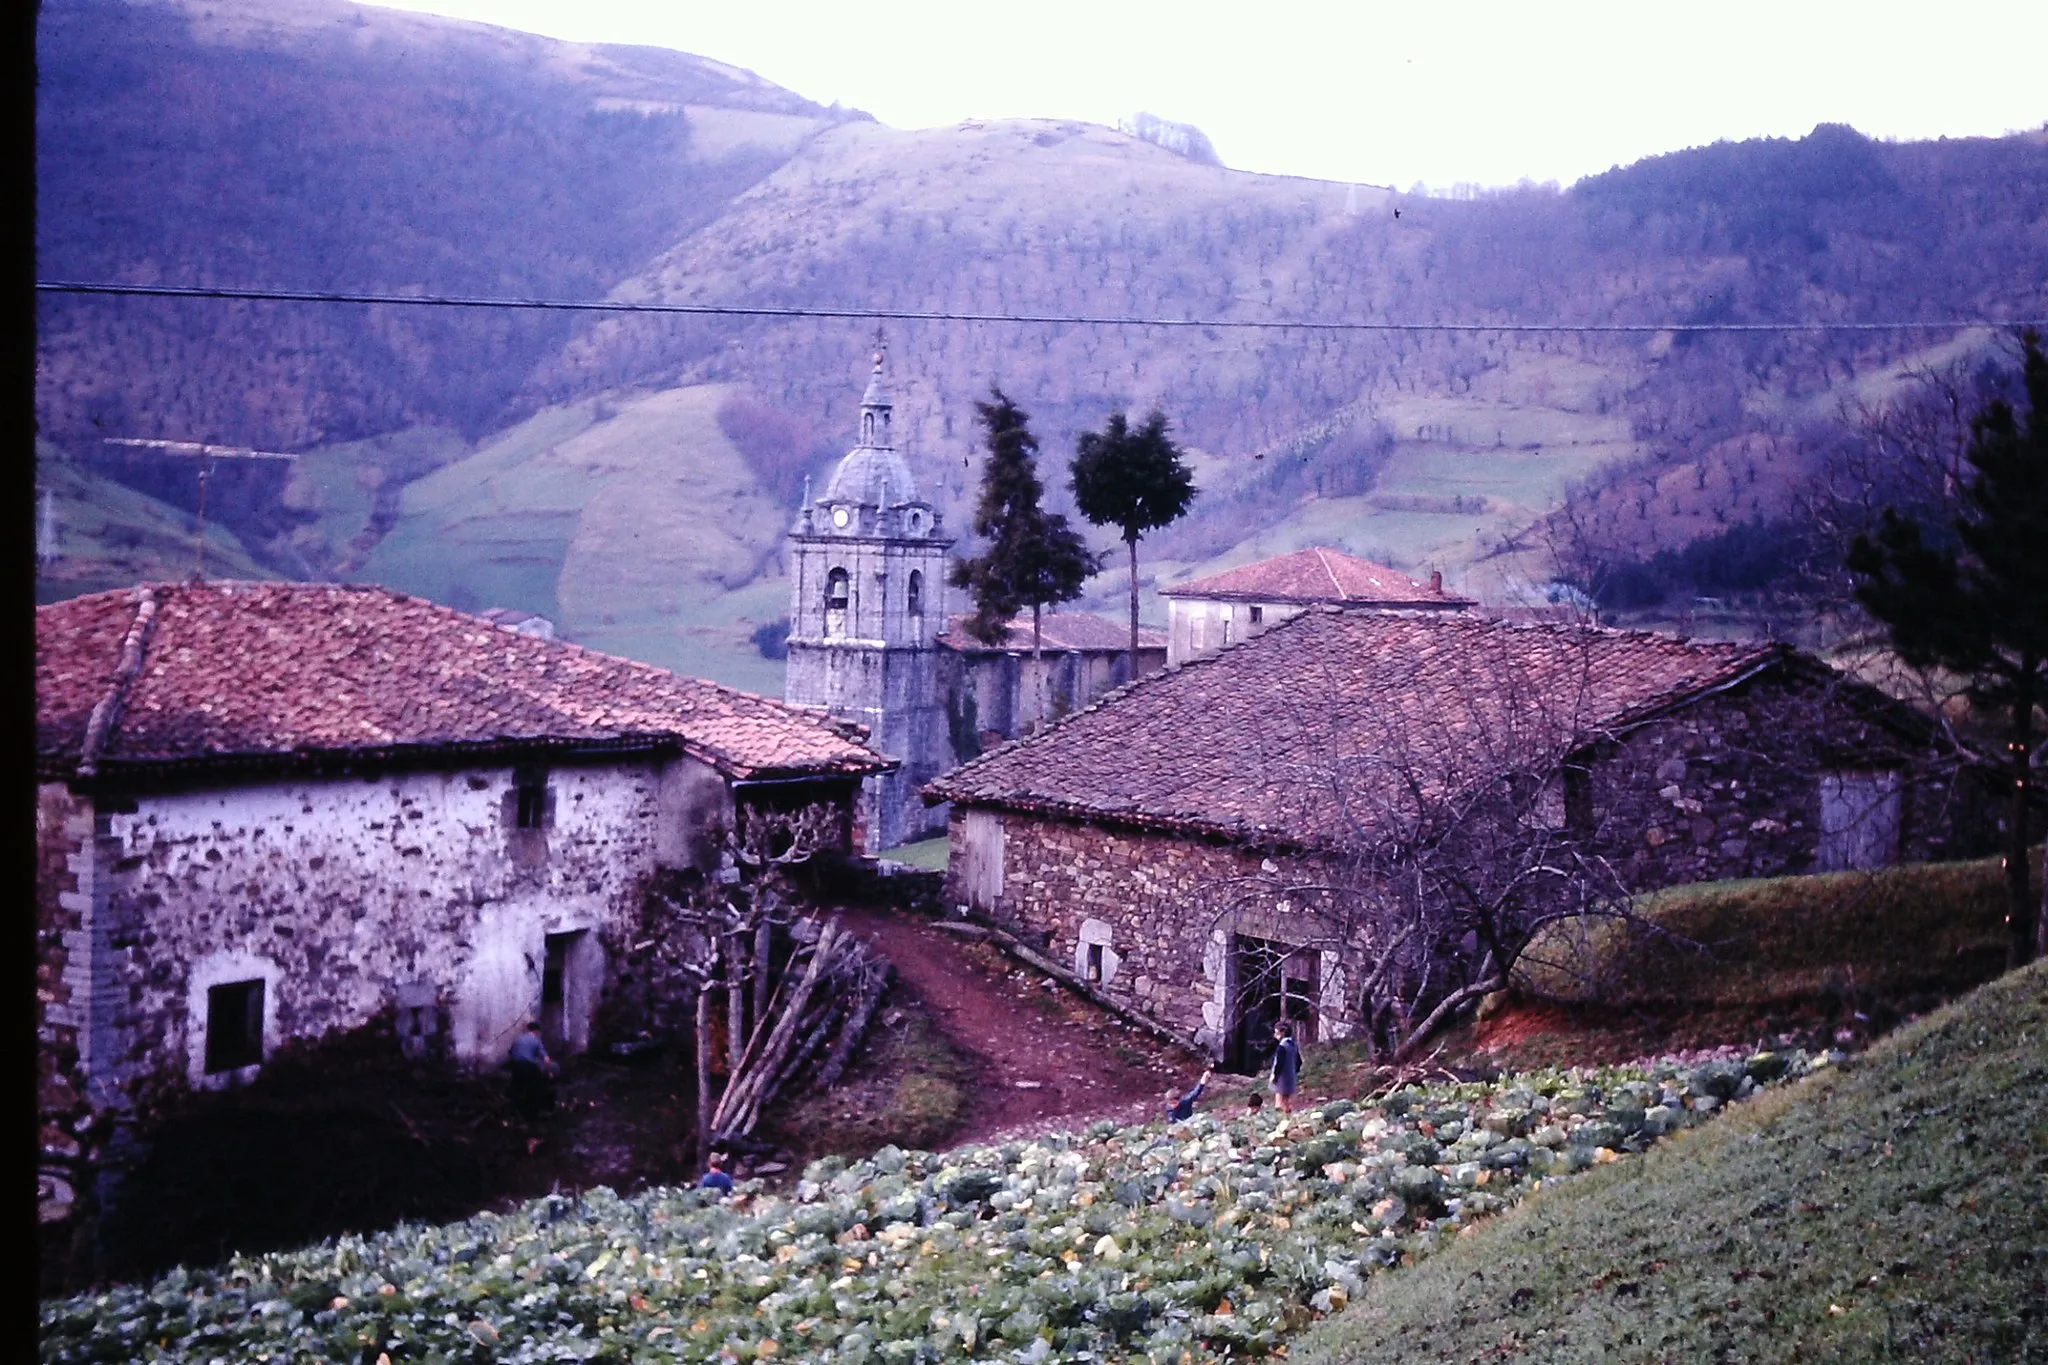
(1894, 1211)
(1931, 928)
(632, 521)
(110, 536)
(315, 144)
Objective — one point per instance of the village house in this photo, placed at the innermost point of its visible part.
(1215, 612)
(1001, 691)
(871, 641)
(272, 812)
(1130, 839)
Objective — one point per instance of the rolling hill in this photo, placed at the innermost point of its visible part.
(582, 467)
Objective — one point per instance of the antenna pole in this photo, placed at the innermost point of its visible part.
(204, 466)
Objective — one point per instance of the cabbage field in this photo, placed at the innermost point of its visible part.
(1212, 1239)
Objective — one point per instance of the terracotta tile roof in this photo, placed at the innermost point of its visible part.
(225, 673)
(1057, 630)
(1319, 575)
(1318, 726)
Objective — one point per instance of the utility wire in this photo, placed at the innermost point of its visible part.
(172, 291)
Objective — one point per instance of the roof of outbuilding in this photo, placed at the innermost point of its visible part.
(1318, 574)
(1058, 630)
(1305, 733)
(232, 674)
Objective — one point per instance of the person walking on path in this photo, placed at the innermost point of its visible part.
(1286, 1066)
(533, 1073)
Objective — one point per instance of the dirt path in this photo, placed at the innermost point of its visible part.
(1040, 1054)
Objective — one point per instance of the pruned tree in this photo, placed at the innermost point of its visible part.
(1033, 557)
(794, 991)
(1134, 480)
(1967, 592)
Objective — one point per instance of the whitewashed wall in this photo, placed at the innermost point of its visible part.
(336, 891)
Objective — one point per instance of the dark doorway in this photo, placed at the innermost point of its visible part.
(1275, 981)
(554, 989)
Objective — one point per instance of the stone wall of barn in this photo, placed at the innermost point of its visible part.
(430, 893)
(1746, 783)
(1775, 778)
(1162, 910)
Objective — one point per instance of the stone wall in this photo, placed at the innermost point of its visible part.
(1730, 786)
(64, 841)
(1160, 907)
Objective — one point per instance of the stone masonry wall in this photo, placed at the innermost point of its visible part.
(336, 891)
(64, 840)
(1727, 787)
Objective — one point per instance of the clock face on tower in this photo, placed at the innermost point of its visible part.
(839, 517)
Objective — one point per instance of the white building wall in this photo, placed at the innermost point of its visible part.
(1197, 627)
(336, 891)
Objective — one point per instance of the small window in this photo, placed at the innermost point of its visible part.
(234, 1026)
(1258, 615)
(916, 595)
(1095, 963)
(532, 803)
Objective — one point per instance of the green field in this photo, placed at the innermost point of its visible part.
(1896, 1210)
(110, 536)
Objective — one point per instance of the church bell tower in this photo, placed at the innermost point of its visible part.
(867, 571)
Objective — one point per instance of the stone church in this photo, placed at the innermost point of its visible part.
(867, 574)
(871, 640)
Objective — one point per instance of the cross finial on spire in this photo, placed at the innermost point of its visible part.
(881, 348)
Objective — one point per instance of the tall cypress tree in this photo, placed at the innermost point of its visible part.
(1135, 481)
(1033, 558)
(1972, 598)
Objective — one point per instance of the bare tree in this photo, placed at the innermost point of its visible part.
(793, 990)
(1443, 836)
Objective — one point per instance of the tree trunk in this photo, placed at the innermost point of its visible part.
(735, 1005)
(1133, 543)
(703, 1072)
(2019, 915)
(764, 947)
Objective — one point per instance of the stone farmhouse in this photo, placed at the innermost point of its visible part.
(871, 641)
(1129, 839)
(269, 812)
(1212, 613)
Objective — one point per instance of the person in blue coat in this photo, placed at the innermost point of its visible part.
(1286, 1066)
(1184, 1107)
(715, 1176)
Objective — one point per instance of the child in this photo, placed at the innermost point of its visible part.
(715, 1177)
(1286, 1066)
(1184, 1107)
(1253, 1103)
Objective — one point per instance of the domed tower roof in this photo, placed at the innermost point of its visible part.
(874, 473)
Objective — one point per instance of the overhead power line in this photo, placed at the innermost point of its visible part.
(734, 310)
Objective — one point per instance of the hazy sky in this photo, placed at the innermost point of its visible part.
(1430, 90)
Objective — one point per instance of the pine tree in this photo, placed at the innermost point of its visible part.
(1134, 481)
(1972, 598)
(1033, 557)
